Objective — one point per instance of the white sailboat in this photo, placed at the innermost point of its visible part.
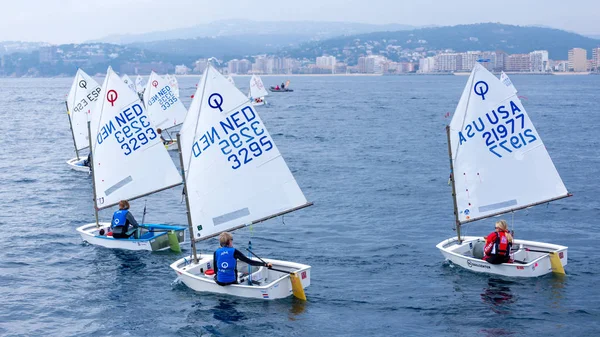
(230, 79)
(83, 95)
(129, 82)
(172, 80)
(139, 84)
(164, 108)
(507, 82)
(499, 164)
(257, 91)
(234, 176)
(129, 162)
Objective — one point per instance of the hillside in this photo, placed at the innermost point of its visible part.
(461, 38)
(297, 31)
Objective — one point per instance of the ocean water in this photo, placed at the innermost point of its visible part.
(371, 153)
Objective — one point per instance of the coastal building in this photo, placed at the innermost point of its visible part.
(518, 62)
(181, 69)
(469, 59)
(578, 60)
(448, 62)
(326, 62)
(596, 59)
(427, 65)
(538, 61)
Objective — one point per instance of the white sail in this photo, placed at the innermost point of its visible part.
(172, 80)
(234, 171)
(83, 95)
(507, 82)
(139, 84)
(128, 156)
(500, 162)
(164, 108)
(257, 88)
(230, 79)
(129, 82)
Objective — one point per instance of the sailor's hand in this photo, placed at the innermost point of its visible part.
(268, 265)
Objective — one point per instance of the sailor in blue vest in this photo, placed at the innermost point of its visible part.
(225, 261)
(123, 224)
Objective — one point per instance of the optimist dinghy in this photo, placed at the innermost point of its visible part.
(257, 91)
(234, 176)
(129, 162)
(82, 97)
(164, 107)
(499, 164)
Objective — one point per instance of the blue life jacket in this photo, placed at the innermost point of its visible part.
(119, 219)
(225, 265)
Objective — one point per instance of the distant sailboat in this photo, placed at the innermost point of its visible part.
(129, 162)
(498, 164)
(164, 108)
(234, 176)
(257, 91)
(139, 84)
(80, 102)
(129, 82)
(230, 79)
(172, 80)
(507, 82)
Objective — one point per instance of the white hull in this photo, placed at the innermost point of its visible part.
(268, 284)
(77, 164)
(262, 102)
(535, 264)
(151, 242)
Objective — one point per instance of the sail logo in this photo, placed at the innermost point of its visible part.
(111, 97)
(215, 101)
(481, 88)
(83, 84)
(472, 264)
(258, 84)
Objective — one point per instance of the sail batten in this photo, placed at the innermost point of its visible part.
(499, 161)
(516, 208)
(235, 174)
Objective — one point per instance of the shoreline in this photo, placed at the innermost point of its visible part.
(341, 75)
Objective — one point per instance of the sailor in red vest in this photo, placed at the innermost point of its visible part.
(225, 261)
(498, 244)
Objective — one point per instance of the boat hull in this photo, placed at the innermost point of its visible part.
(534, 264)
(77, 164)
(262, 102)
(272, 89)
(267, 283)
(151, 241)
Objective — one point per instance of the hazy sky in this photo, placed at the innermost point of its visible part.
(66, 21)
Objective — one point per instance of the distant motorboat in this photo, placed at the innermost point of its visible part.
(283, 88)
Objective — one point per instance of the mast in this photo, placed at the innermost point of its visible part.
(457, 222)
(72, 133)
(91, 165)
(187, 201)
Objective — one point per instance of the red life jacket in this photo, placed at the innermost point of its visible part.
(501, 245)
